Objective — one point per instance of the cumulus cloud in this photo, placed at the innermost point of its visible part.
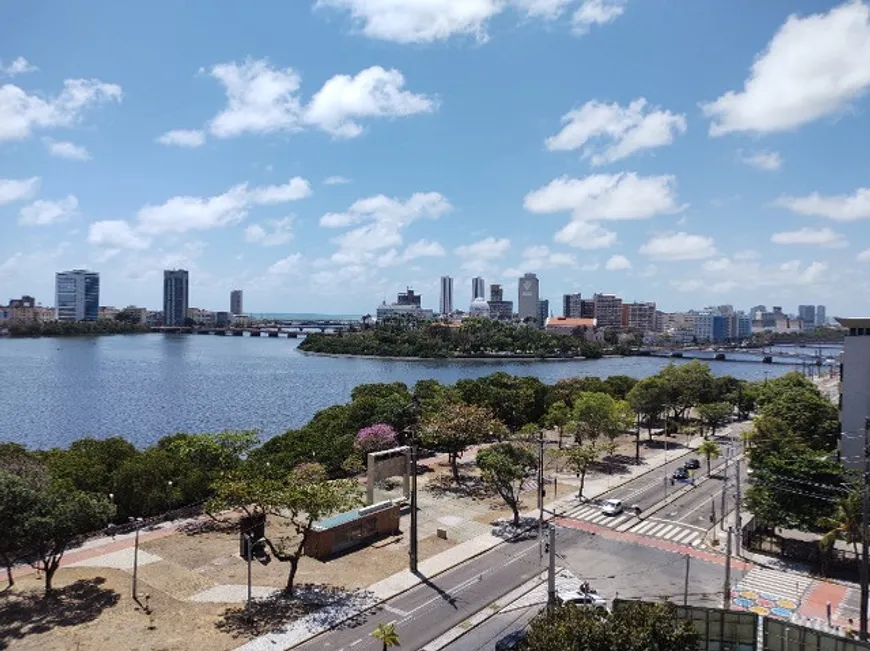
(116, 234)
(44, 213)
(812, 67)
(841, 208)
(753, 274)
(335, 180)
(679, 246)
(477, 256)
(18, 66)
(273, 233)
(767, 161)
(617, 263)
(622, 131)
(813, 236)
(585, 235)
(262, 99)
(68, 150)
(21, 113)
(190, 138)
(18, 189)
(596, 12)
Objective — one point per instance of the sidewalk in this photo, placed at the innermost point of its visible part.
(309, 627)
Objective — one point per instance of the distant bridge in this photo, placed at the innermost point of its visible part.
(742, 355)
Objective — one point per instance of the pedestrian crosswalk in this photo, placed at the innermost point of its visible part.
(676, 532)
(774, 585)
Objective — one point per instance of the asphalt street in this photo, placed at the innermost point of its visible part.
(614, 568)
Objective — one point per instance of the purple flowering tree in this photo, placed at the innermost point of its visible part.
(375, 438)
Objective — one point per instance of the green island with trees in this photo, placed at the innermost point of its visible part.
(50, 499)
(76, 328)
(474, 338)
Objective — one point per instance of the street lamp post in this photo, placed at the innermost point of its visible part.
(138, 522)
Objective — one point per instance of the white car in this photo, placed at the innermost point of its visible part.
(611, 507)
(581, 599)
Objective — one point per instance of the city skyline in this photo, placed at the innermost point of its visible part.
(380, 159)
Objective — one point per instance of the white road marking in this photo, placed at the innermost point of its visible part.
(395, 611)
(664, 532)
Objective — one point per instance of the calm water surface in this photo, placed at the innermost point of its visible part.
(142, 387)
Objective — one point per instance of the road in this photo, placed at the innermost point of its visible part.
(614, 568)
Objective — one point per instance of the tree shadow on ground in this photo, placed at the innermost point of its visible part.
(324, 605)
(616, 464)
(671, 443)
(506, 530)
(31, 613)
(471, 488)
(199, 527)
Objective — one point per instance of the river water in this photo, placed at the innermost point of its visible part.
(142, 387)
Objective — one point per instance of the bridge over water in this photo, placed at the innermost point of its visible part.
(751, 356)
(283, 329)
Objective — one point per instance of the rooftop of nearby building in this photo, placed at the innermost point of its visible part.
(854, 321)
(570, 322)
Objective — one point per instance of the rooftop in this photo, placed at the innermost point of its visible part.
(570, 322)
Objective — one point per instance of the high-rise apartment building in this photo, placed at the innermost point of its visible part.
(543, 312)
(587, 309)
(496, 294)
(478, 288)
(807, 314)
(445, 304)
(608, 310)
(821, 316)
(77, 295)
(527, 297)
(854, 390)
(409, 297)
(639, 316)
(175, 297)
(571, 306)
(236, 302)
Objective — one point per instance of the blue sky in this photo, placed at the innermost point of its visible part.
(324, 155)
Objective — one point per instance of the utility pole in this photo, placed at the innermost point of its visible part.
(249, 554)
(551, 573)
(637, 441)
(412, 549)
(724, 489)
(136, 560)
(738, 516)
(686, 582)
(726, 598)
(541, 496)
(865, 544)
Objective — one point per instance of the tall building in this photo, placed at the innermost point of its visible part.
(608, 310)
(496, 294)
(587, 309)
(236, 302)
(408, 297)
(639, 316)
(175, 297)
(807, 314)
(527, 297)
(445, 304)
(571, 306)
(756, 310)
(77, 295)
(821, 317)
(854, 390)
(478, 288)
(543, 312)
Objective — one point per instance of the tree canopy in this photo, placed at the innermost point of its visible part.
(505, 467)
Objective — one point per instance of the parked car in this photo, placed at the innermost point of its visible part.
(511, 641)
(681, 473)
(611, 507)
(692, 464)
(582, 599)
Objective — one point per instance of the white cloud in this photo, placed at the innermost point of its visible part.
(864, 256)
(45, 213)
(606, 197)
(585, 235)
(752, 274)
(295, 189)
(427, 21)
(392, 211)
(817, 236)
(768, 161)
(625, 130)
(67, 150)
(423, 249)
(812, 67)
(538, 258)
(17, 189)
(18, 66)
(21, 113)
(286, 266)
(264, 99)
(595, 12)
(373, 92)
(190, 138)
(746, 254)
(273, 233)
(617, 263)
(186, 213)
(115, 234)
(841, 208)
(335, 180)
(679, 246)
(488, 248)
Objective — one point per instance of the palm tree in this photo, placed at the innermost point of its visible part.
(845, 522)
(709, 449)
(387, 634)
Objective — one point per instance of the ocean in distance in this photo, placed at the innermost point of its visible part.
(143, 387)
